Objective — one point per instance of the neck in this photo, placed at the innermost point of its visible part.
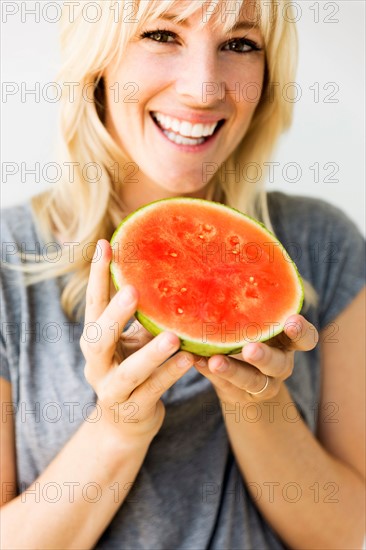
(133, 196)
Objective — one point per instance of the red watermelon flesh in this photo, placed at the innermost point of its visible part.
(215, 277)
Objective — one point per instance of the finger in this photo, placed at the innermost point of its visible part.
(163, 378)
(238, 377)
(100, 338)
(137, 368)
(97, 291)
(268, 360)
(242, 375)
(303, 335)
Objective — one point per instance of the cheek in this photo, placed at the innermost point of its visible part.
(244, 82)
(137, 80)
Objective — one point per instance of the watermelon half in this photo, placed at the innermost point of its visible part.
(215, 277)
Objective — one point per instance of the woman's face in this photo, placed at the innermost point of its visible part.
(181, 100)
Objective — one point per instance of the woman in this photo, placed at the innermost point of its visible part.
(157, 448)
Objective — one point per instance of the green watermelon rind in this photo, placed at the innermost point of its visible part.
(196, 346)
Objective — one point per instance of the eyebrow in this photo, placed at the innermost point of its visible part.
(242, 25)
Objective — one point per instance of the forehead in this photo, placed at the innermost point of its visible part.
(227, 14)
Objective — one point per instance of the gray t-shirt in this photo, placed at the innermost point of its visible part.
(189, 493)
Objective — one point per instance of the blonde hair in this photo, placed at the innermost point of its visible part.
(87, 49)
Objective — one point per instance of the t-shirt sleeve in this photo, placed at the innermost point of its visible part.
(330, 250)
(339, 260)
(4, 364)
(12, 224)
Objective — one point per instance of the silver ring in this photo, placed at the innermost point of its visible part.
(263, 389)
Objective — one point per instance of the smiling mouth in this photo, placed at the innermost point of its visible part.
(176, 133)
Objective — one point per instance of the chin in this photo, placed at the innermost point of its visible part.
(183, 184)
(185, 189)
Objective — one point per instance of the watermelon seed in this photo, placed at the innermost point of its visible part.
(251, 293)
(201, 237)
(207, 227)
(183, 289)
(234, 240)
(251, 279)
(174, 254)
(164, 287)
(235, 251)
(180, 310)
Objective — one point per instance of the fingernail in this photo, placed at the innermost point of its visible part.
(294, 330)
(185, 361)
(126, 297)
(255, 353)
(166, 343)
(223, 366)
(201, 362)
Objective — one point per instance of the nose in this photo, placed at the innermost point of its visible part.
(198, 77)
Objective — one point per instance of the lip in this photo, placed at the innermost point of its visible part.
(187, 148)
(193, 118)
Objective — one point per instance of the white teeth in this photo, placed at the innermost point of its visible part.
(175, 125)
(183, 127)
(180, 140)
(186, 129)
(176, 138)
(207, 129)
(158, 117)
(197, 130)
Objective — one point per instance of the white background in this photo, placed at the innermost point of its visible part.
(328, 136)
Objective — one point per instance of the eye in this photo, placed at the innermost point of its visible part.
(160, 35)
(241, 45)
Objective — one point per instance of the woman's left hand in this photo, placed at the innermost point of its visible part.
(257, 373)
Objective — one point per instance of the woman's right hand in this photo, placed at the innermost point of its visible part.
(129, 391)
